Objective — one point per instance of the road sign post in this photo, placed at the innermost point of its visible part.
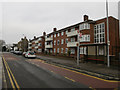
(78, 46)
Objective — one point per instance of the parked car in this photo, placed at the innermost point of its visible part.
(18, 52)
(12, 51)
(24, 54)
(30, 54)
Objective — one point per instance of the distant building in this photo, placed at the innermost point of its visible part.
(23, 45)
(37, 44)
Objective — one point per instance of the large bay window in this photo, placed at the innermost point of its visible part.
(99, 33)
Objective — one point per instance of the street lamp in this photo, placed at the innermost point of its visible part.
(23, 43)
(108, 42)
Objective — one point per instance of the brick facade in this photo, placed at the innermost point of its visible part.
(93, 43)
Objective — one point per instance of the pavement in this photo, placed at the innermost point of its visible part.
(99, 70)
(0, 71)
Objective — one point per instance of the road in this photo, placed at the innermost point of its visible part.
(21, 72)
(30, 76)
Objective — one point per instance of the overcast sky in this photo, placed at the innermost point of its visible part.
(33, 18)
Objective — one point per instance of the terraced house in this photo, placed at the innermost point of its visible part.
(93, 44)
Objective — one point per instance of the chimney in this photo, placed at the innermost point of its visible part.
(34, 37)
(54, 29)
(44, 33)
(86, 17)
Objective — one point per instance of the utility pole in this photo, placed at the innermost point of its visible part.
(78, 53)
(108, 42)
(78, 46)
(23, 43)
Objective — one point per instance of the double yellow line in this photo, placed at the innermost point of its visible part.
(11, 76)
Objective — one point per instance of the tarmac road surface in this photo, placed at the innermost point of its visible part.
(21, 74)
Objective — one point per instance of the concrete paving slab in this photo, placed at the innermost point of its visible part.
(1, 72)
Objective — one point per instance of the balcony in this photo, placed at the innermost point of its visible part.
(30, 43)
(49, 39)
(72, 44)
(36, 41)
(48, 46)
(29, 47)
(36, 47)
(73, 33)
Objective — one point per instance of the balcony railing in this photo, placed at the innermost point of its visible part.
(36, 46)
(48, 46)
(73, 33)
(29, 47)
(49, 39)
(72, 44)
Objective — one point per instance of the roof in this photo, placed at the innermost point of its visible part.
(75, 25)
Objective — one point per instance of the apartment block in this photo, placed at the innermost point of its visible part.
(37, 44)
(93, 42)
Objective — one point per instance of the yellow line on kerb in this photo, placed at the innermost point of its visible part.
(9, 75)
(12, 74)
(83, 74)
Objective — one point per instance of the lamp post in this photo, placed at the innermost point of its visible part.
(23, 43)
(78, 53)
(78, 46)
(108, 42)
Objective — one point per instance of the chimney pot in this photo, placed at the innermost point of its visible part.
(86, 17)
(54, 29)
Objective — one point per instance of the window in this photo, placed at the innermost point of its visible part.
(54, 50)
(51, 36)
(39, 50)
(50, 50)
(73, 29)
(66, 50)
(72, 51)
(39, 44)
(61, 50)
(58, 34)
(84, 26)
(51, 43)
(101, 50)
(72, 39)
(54, 35)
(62, 41)
(57, 50)
(85, 38)
(58, 42)
(62, 33)
(83, 50)
(55, 42)
(99, 33)
(66, 31)
(66, 40)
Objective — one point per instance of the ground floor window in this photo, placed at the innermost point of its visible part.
(57, 50)
(61, 50)
(50, 50)
(83, 50)
(39, 50)
(54, 50)
(72, 50)
(101, 50)
(66, 50)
